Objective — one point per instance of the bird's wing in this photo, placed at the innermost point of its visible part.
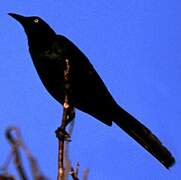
(90, 92)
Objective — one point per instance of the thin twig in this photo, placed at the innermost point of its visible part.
(15, 147)
(36, 173)
(61, 150)
(74, 172)
(66, 151)
(66, 114)
(16, 143)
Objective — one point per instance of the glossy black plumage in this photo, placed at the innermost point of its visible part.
(88, 92)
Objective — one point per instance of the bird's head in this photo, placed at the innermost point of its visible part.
(35, 28)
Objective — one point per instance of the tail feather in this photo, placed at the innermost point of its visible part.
(144, 137)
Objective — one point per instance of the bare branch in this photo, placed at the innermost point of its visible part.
(67, 117)
(62, 135)
(36, 173)
(16, 143)
(66, 151)
(74, 173)
(15, 147)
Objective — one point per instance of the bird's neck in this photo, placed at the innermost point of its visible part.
(40, 43)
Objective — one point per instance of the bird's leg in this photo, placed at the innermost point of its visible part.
(68, 116)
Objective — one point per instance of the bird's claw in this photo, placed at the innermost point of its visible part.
(62, 135)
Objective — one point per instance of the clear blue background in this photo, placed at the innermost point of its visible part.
(136, 48)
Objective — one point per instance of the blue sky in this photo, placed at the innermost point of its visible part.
(135, 47)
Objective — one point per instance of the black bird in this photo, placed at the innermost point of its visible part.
(88, 92)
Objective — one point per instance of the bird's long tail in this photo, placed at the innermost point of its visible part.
(144, 137)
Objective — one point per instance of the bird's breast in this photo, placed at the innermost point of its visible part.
(49, 66)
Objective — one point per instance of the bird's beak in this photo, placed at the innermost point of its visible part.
(19, 18)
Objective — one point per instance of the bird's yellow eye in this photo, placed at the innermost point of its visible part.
(36, 20)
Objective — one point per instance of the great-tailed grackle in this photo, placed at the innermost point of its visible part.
(88, 92)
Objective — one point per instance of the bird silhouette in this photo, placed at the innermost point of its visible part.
(88, 92)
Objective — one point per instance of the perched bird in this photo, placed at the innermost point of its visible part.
(88, 92)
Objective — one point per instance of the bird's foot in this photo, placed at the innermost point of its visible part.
(62, 135)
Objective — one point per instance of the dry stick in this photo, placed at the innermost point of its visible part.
(66, 151)
(74, 172)
(36, 173)
(15, 145)
(19, 142)
(61, 150)
(35, 170)
(66, 111)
